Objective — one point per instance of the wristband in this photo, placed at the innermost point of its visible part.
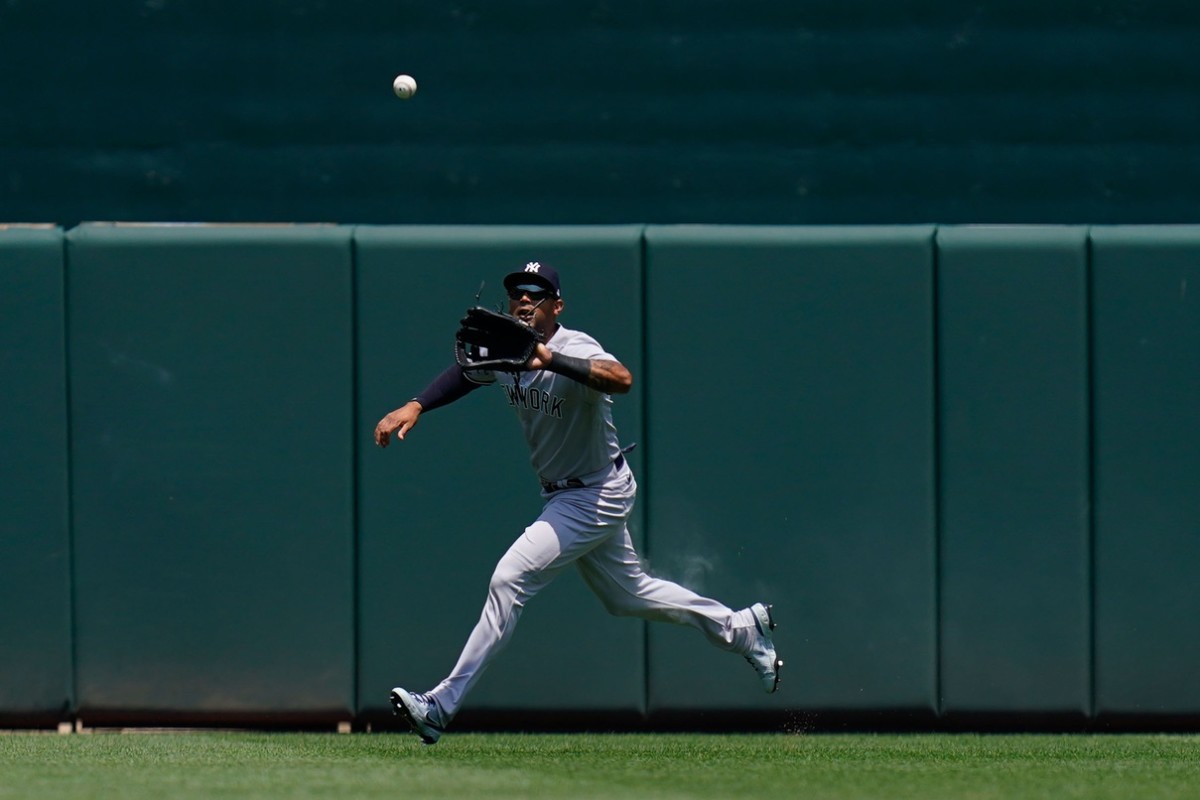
(577, 369)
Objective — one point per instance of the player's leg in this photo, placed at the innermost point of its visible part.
(527, 567)
(614, 572)
(569, 526)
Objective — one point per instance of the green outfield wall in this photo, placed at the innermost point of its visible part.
(211, 373)
(35, 547)
(1146, 355)
(1014, 495)
(960, 460)
(791, 456)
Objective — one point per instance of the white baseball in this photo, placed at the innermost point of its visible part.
(405, 86)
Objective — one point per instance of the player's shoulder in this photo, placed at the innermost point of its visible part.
(571, 342)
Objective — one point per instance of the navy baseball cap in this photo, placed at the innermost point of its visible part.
(536, 274)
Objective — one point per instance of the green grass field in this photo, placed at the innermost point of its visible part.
(348, 767)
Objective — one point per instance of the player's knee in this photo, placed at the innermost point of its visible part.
(509, 575)
(503, 576)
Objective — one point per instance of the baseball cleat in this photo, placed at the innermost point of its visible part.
(762, 655)
(421, 712)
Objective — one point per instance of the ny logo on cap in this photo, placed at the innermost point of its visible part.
(532, 266)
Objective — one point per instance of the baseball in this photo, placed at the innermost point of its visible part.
(405, 86)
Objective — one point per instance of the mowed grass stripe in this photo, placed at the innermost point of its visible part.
(929, 767)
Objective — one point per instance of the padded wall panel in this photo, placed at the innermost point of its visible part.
(791, 458)
(211, 373)
(35, 646)
(1147, 463)
(1014, 470)
(438, 509)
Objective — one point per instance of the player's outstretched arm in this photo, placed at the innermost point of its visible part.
(610, 377)
(447, 387)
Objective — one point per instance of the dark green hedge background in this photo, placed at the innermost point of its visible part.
(603, 111)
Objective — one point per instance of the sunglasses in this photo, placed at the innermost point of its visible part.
(535, 295)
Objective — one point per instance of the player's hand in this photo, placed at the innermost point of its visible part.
(540, 359)
(399, 422)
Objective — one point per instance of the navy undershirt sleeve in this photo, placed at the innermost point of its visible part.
(447, 387)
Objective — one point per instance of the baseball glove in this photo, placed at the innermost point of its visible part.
(487, 340)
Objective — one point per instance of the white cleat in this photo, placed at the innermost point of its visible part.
(762, 655)
(421, 712)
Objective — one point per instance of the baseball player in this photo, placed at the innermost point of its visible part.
(563, 402)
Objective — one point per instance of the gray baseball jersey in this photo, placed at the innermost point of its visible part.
(567, 425)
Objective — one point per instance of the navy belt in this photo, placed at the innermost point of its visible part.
(577, 483)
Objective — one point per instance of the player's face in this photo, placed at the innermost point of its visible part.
(535, 307)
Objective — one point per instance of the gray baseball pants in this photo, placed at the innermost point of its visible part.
(585, 527)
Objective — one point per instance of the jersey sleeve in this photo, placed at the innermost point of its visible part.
(583, 346)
